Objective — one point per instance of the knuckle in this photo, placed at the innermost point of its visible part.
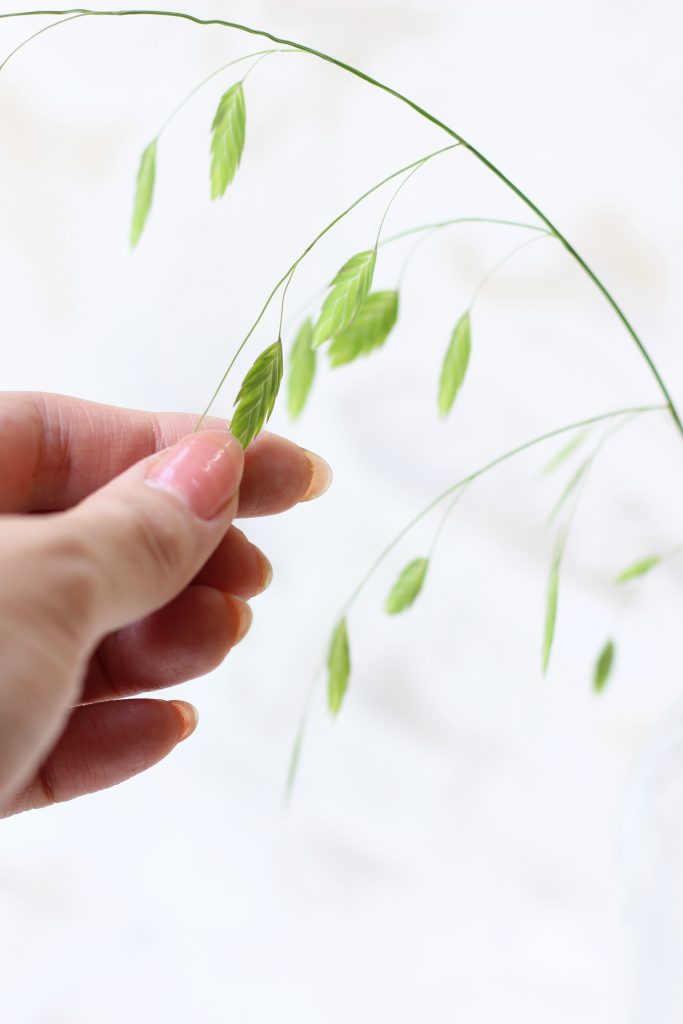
(74, 581)
(163, 543)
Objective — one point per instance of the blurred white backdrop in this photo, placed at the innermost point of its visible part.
(467, 841)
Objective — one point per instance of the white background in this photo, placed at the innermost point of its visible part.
(467, 842)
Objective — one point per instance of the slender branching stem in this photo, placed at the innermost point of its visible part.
(426, 230)
(414, 168)
(439, 224)
(259, 54)
(423, 113)
(546, 228)
(282, 301)
(393, 199)
(287, 276)
(466, 480)
(411, 254)
(455, 492)
(578, 483)
(263, 56)
(429, 230)
(441, 526)
(34, 35)
(582, 472)
(501, 263)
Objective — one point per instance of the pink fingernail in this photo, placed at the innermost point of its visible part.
(203, 470)
(267, 573)
(243, 615)
(189, 715)
(321, 476)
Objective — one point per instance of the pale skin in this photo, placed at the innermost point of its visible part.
(121, 573)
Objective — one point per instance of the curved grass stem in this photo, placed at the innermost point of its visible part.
(393, 198)
(459, 485)
(414, 168)
(439, 224)
(289, 273)
(576, 486)
(427, 230)
(501, 263)
(423, 113)
(259, 54)
(455, 492)
(441, 526)
(34, 35)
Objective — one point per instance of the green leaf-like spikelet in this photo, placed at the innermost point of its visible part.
(144, 191)
(565, 452)
(551, 602)
(455, 364)
(227, 139)
(256, 398)
(302, 362)
(368, 330)
(571, 486)
(407, 587)
(639, 568)
(349, 290)
(603, 667)
(294, 759)
(338, 666)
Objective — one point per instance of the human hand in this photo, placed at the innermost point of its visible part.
(136, 580)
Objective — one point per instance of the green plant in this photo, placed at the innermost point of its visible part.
(356, 321)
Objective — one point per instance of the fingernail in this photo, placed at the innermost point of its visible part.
(321, 476)
(189, 715)
(203, 470)
(267, 570)
(243, 614)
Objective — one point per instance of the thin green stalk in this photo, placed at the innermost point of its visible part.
(444, 519)
(261, 54)
(577, 483)
(501, 263)
(431, 229)
(462, 220)
(299, 310)
(413, 171)
(422, 112)
(45, 28)
(480, 472)
(564, 453)
(282, 302)
(295, 755)
(290, 270)
(391, 201)
(579, 477)
(456, 491)
(412, 252)
(266, 53)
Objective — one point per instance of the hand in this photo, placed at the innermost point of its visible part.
(135, 580)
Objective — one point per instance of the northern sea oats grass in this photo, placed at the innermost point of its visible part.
(354, 321)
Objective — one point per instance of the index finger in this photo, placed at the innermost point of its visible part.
(55, 450)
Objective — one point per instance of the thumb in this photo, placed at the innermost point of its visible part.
(145, 535)
(69, 579)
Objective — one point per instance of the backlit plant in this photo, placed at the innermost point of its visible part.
(353, 321)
